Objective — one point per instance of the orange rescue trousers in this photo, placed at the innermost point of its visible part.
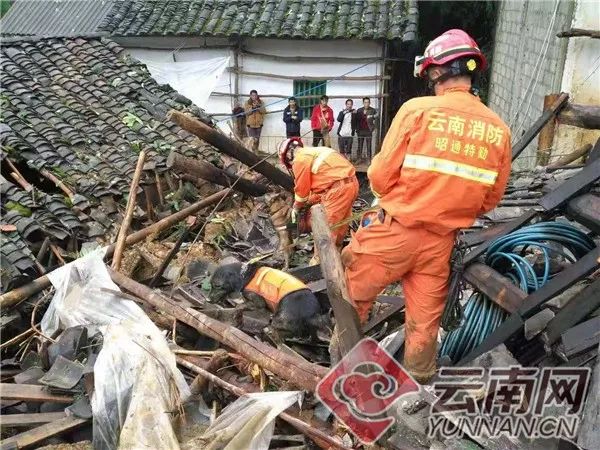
(385, 252)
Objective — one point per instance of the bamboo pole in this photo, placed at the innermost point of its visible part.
(118, 256)
(323, 440)
(19, 294)
(297, 372)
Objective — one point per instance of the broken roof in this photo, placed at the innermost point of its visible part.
(80, 110)
(279, 19)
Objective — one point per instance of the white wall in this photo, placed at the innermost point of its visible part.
(581, 78)
(274, 128)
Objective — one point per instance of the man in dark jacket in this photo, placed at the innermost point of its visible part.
(347, 128)
(292, 116)
(366, 117)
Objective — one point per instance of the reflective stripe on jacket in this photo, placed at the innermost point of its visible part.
(316, 169)
(273, 285)
(444, 160)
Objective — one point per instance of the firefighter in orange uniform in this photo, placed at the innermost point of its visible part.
(321, 175)
(445, 160)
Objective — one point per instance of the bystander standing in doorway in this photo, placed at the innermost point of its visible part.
(255, 116)
(347, 128)
(366, 117)
(292, 116)
(321, 122)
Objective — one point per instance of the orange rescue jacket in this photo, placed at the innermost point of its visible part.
(273, 285)
(316, 169)
(445, 160)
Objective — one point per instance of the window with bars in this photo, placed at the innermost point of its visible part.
(302, 87)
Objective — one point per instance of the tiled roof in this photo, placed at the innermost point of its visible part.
(54, 17)
(16, 260)
(287, 19)
(81, 109)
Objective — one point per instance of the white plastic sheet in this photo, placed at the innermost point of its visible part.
(137, 385)
(194, 79)
(248, 423)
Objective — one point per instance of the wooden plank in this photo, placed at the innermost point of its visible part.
(309, 78)
(582, 304)
(586, 210)
(497, 287)
(581, 337)
(389, 312)
(581, 116)
(546, 137)
(499, 230)
(38, 434)
(531, 304)
(588, 436)
(532, 132)
(27, 420)
(31, 393)
(347, 323)
(572, 187)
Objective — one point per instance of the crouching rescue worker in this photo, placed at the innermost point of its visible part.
(445, 160)
(321, 175)
(296, 310)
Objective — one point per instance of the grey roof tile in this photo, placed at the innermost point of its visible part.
(298, 19)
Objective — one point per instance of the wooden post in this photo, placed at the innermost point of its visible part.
(128, 212)
(208, 172)
(546, 138)
(347, 323)
(232, 148)
(298, 372)
(19, 294)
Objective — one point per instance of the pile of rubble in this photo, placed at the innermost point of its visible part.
(140, 354)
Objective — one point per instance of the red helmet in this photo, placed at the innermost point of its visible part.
(286, 150)
(451, 45)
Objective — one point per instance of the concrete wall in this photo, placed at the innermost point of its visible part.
(528, 63)
(581, 78)
(162, 50)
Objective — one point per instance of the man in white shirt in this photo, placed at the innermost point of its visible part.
(347, 128)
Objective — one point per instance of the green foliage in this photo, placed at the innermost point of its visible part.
(22, 210)
(4, 6)
(133, 121)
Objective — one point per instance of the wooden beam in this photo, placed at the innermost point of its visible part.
(538, 125)
(202, 169)
(28, 420)
(232, 148)
(347, 322)
(573, 156)
(546, 134)
(579, 32)
(581, 338)
(298, 97)
(586, 211)
(532, 303)
(32, 437)
(582, 304)
(309, 78)
(297, 372)
(19, 294)
(31, 393)
(497, 287)
(581, 116)
(572, 187)
(588, 436)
